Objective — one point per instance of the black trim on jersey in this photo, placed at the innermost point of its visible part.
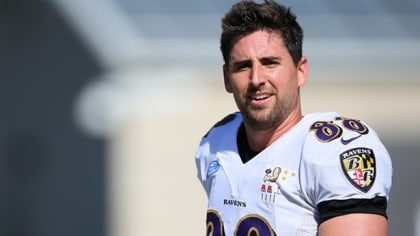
(245, 152)
(221, 122)
(333, 208)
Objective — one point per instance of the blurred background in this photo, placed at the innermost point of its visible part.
(103, 103)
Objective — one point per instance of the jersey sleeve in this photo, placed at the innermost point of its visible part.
(201, 163)
(345, 168)
(212, 142)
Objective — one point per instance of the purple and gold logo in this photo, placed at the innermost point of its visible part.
(358, 165)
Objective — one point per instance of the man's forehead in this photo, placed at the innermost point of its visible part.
(258, 44)
(268, 36)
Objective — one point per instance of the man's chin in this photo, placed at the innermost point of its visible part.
(259, 120)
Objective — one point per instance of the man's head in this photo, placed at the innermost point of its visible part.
(264, 67)
(246, 17)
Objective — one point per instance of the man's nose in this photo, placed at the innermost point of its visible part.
(256, 76)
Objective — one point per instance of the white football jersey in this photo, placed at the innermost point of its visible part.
(323, 157)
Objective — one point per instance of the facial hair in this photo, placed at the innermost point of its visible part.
(262, 118)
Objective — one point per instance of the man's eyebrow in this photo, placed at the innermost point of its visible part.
(241, 63)
(247, 62)
(269, 59)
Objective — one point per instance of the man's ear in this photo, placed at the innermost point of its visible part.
(302, 71)
(228, 88)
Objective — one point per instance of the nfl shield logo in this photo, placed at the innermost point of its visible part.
(358, 165)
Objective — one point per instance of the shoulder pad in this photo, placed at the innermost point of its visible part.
(222, 122)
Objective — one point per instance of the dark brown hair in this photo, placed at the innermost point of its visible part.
(247, 16)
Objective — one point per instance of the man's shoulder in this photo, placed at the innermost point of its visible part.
(226, 124)
(331, 134)
(221, 137)
(316, 116)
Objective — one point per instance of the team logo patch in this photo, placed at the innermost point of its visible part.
(359, 166)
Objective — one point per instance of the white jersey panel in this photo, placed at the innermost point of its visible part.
(344, 161)
(278, 190)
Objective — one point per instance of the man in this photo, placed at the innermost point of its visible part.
(269, 169)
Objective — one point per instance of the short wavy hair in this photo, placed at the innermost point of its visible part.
(246, 17)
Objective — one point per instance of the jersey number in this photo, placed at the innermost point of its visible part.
(252, 225)
(327, 131)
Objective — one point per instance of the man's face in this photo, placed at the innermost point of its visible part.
(263, 79)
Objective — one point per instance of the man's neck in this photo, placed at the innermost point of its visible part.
(260, 139)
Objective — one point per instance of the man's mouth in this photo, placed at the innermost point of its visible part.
(259, 97)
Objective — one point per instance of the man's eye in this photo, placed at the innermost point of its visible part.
(271, 63)
(241, 67)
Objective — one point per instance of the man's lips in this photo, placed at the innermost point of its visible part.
(260, 98)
